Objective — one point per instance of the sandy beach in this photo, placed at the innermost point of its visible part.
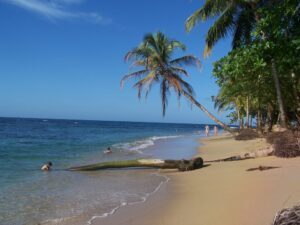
(221, 193)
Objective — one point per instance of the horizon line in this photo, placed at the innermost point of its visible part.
(98, 120)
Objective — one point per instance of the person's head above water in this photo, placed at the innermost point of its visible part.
(47, 166)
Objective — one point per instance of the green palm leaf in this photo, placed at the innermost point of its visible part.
(155, 55)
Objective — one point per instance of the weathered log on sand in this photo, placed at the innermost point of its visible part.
(181, 165)
(232, 158)
(260, 153)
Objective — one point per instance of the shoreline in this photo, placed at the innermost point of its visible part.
(222, 193)
(172, 143)
(131, 204)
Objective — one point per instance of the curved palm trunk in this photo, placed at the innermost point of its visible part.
(193, 101)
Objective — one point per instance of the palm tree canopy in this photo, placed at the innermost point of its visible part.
(234, 17)
(154, 59)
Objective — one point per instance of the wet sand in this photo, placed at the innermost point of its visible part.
(221, 193)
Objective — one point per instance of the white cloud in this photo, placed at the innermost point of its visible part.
(58, 9)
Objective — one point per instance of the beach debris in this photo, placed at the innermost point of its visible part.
(232, 158)
(252, 155)
(286, 143)
(288, 216)
(262, 168)
(268, 151)
(181, 165)
(246, 134)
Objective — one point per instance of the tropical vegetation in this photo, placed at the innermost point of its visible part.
(259, 78)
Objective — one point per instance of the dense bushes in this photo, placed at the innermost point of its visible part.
(247, 134)
(286, 143)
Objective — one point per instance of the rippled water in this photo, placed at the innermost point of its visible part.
(30, 196)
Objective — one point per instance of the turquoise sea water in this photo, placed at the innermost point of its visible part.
(30, 196)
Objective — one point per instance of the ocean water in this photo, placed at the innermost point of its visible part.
(31, 196)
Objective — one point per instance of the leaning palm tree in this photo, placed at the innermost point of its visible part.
(237, 18)
(154, 56)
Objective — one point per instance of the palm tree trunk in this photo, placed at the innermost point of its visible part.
(270, 117)
(283, 118)
(181, 165)
(259, 122)
(247, 113)
(193, 101)
(296, 95)
(239, 119)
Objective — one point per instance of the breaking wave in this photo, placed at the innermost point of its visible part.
(138, 146)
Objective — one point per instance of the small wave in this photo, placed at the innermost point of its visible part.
(165, 137)
(143, 199)
(137, 146)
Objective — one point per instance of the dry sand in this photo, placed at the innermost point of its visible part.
(222, 193)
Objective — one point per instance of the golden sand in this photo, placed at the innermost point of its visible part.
(222, 193)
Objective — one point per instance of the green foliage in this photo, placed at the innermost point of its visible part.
(236, 18)
(154, 56)
(246, 71)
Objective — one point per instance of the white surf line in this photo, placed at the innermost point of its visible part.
(147, 195)
(56, 220)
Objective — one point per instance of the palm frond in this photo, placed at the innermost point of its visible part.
(185, 85)
(179, 71)
(138, 63)
(176, 44)
(138, 53)
(243, 28)
(220, 29)
(188, 60)
(177, 83)
(210, 9)
(145, 84)
(151, 41)
(154, 54)
(137, 74)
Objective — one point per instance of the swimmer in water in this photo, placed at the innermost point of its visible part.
(107, 151)
(47, 166)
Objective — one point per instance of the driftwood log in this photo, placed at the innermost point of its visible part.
(252, 155)
(181, 165)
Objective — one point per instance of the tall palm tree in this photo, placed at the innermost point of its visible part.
(154, 57)
(237, 18)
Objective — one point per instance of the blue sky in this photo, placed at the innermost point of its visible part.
(64, 59)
